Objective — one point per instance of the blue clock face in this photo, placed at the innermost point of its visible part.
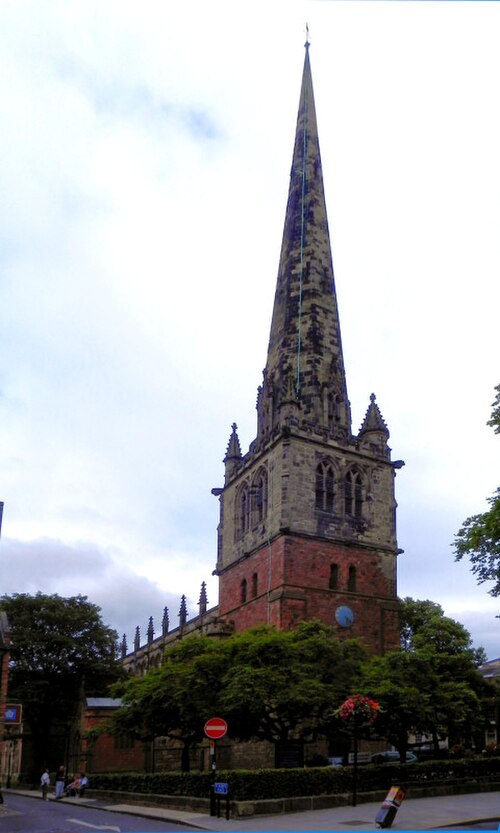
(344, 616)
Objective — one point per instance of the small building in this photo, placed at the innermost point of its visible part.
(94, 749)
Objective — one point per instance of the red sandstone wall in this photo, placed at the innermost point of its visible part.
(296, 572)
(102, 755)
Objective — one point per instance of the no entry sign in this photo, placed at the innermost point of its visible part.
(215, 728)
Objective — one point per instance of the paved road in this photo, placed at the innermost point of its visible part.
(24, 815)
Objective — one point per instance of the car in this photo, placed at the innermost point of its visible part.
(392, 758)
(335, 761)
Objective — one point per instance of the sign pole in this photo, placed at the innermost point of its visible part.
(215, 728)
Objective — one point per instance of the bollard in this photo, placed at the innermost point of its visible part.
(390, 806)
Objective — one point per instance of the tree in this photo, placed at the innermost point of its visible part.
(423, 622)
(285, 684)
(396, 680)
(432, 686)
(266, 683)
(479, 536)
(414, 615)
(58, 645)
(178, 698)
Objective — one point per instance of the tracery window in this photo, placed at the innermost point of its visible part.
(324, 486)
(353, 493)
(259, 497)
(242, 511)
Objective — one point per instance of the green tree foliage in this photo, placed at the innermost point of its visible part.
(479, 536)
(266, 683)
(57, 645)
(423, 623)
(283, 684)
(178, 698)
(432, 686)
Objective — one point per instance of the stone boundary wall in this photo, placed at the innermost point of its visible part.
(276, 806)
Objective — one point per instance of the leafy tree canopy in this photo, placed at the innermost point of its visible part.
(264, 682)
(479, 536)
(424, 625)
(57, 645)
(432, 686)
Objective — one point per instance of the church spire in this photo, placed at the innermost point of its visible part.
(305, 328)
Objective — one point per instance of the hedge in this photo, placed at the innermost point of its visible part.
(255, 784)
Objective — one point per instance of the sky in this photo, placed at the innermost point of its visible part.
(145, 151)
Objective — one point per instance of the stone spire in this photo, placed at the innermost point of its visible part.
(233, 451)
(164, 622)
(151, 631)
(373, 420)
(203, 599)
(124, 646)
(373, 434)
(305, 328)
(182, 612)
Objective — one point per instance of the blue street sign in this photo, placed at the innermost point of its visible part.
(220, 788)
(12, 714)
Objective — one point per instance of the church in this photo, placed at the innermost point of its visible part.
(307, 526)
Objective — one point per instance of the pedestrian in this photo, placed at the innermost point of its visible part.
(60, 778)
(84, 782)
(45, 781)
(74, 788)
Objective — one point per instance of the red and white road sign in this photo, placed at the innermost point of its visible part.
(215, 728)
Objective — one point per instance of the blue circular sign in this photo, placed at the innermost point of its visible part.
(344, 616)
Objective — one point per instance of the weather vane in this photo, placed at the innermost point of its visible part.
(307, 36)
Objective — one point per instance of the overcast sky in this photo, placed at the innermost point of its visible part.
(145, 153)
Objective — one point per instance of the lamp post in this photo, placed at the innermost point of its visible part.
(355, 712)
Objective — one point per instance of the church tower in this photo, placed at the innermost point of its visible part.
(307, 517)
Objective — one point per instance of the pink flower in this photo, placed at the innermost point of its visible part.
(359, 707)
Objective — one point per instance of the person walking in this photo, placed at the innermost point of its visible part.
(45, 781)
(60, 778)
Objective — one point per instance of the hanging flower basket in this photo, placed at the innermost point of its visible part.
(358, 709)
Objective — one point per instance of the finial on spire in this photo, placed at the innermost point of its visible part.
(307, 37)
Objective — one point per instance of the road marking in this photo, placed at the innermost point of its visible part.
(95, 826)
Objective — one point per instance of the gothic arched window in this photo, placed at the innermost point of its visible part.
(353, 494)
(243, 588)
(324, 486)
(255, 584)
(259, 496)
(242, 511)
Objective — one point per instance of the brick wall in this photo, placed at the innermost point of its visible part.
(293, 585)
(107, 753)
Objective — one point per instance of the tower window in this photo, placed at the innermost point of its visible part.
(259, 497)
(242, 511)
(334, 577)
(255, 584)
(351, 581)
(353, 494)
(243, 588)
(324, 487)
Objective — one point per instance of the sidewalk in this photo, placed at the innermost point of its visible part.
(414, 814)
